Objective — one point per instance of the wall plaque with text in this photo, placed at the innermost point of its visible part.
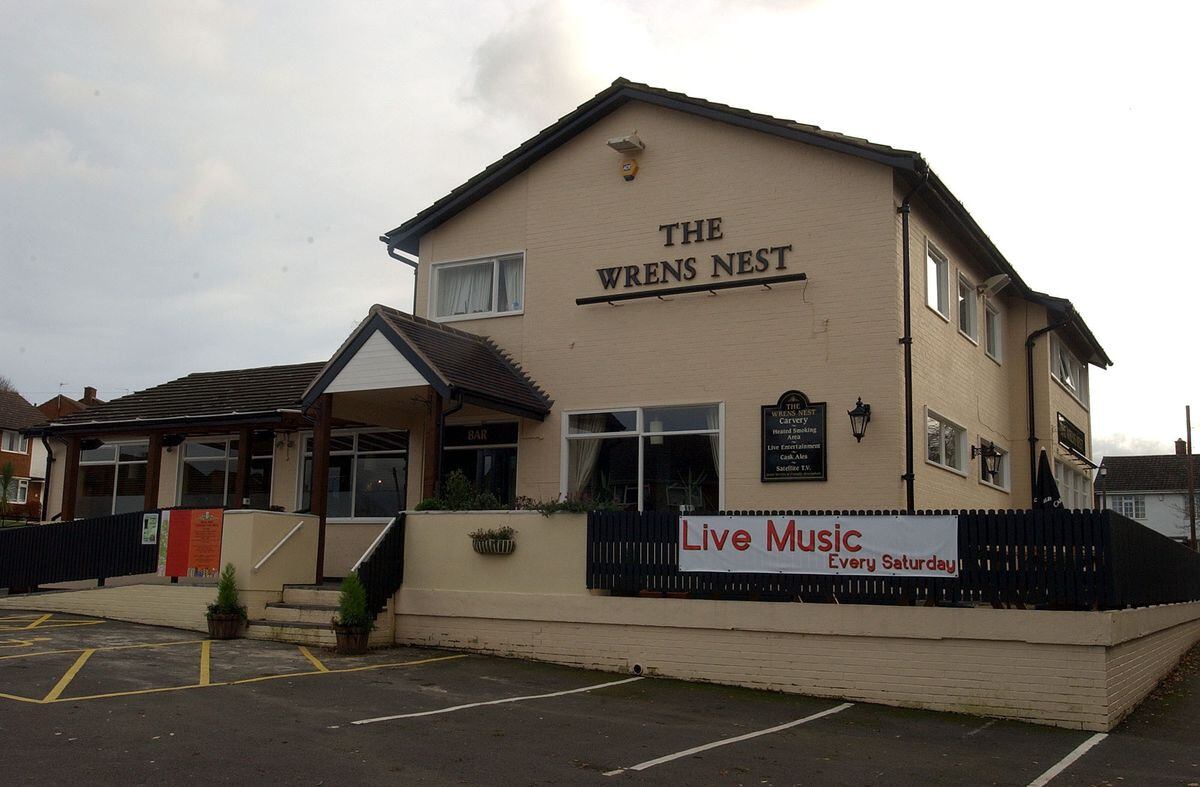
(793, 439)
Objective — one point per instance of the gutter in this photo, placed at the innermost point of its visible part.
(87, 426)
(1033, 438)
(906, 340)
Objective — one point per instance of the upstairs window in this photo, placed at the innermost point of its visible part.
(1067, 369)
(937, 281)
(478, 288)
(991, 331)
(1132, 506)
(968, 310)
(14, 442)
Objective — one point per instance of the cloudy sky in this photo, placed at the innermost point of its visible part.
(200, 185)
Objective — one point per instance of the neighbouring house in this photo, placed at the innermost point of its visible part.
(61, 406)
(26, 456)
(1150, 489)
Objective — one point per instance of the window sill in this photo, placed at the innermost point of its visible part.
(968, 337)
(995, 359)
(947, 468)
(997, 487)
(1068, 390)
(19, 453)
(481, 316)
(945, 317)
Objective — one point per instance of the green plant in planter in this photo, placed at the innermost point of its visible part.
(227, 614)
(352, 605)
(505, 533)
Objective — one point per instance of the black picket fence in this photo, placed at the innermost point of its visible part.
(1050, 558)
(382, 572)
(96, 548)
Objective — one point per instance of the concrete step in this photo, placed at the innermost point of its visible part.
(299, 613)
(317, 634)
(310, 594)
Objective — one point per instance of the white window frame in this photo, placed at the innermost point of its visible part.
(1135, 502)
(1005, 469)
(116, 462)
(935, 256)
(19, 494)
(355, 431)
(14, 437)
(1074, 487)
(963, 447)
(638, 433)
(1078, 369)
(991, 312)
(436, 267)
(972, 307)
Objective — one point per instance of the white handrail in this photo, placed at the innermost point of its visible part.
(275, 548)
(374, 543)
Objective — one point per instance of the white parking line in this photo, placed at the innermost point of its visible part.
(495, 702)
(1069, 760)
(641, 766)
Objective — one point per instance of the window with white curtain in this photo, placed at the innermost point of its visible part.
(478, 288)
(14, 442)
(647, 458)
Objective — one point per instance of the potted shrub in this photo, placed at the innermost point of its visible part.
(226, 615)
(354, 621)
(498, 541)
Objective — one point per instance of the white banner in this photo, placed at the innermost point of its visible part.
(883, 546)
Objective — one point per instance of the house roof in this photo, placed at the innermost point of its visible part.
(16, 413)
(1164, 473)
(456, 363)
(201, 397)
(910, 167)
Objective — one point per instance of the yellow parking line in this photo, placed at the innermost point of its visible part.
(20, 699)
(316, 662)
(68, 676)
(110, 647)
(258, 679)
(205, 657)
(39, 621)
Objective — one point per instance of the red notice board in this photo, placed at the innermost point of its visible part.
(193, 543)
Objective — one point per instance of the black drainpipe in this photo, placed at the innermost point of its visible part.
(1033, 439)
(906, 340)
(46, 481)
(441, 434)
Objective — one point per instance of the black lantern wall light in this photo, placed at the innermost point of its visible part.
(991, 458)
(860, 416)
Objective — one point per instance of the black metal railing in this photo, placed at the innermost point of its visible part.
(382, 571)
(1050, 558)
(95, 548)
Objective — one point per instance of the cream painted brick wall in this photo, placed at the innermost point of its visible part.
(834, 338)
(178, 606)
(1135, 667)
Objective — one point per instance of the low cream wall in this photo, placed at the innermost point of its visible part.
(246, 538)
(345, 543)
(1083, 670)
(550, 558)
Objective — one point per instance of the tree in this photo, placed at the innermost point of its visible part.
(6, 384)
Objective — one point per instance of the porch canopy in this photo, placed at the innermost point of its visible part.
(394, 362)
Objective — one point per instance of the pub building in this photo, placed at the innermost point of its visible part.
(658, 300)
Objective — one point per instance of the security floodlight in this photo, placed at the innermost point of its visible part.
(628, 144)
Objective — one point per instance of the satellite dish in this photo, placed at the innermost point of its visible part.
(994, 284)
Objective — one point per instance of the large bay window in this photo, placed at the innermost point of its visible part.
(368, 474)
(1074, 487)
(647, 458)
(112, 479)
(208, 477)
(1068, 370)
(478, 288)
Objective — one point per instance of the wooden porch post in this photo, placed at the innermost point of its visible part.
(153, 471)
(241, 491)
(431, 446)
(320, 475)
(70, 479)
